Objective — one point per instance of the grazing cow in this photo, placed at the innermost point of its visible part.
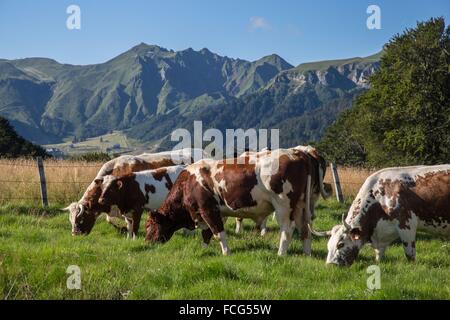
(209, 190)
(134, 192)
(83, 214)
(318, 187)
(393, 203)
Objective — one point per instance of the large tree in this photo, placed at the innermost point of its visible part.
(12, 145)
(404, 118)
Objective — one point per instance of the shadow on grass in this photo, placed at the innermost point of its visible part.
(262, 246)
(144, 247)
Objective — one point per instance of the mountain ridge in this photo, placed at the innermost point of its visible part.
(49, 102)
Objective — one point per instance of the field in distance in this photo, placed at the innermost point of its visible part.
(115, 142)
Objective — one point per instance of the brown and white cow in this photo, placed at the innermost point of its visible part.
(318, 187)
(393, 203)
(83, 214)
(134, 192)
(209, 190)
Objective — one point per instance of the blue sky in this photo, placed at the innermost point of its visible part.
(299, 31)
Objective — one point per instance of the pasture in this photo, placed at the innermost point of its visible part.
(36, 247)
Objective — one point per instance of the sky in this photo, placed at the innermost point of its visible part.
(297, 30)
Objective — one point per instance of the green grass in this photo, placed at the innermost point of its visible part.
(36, 249)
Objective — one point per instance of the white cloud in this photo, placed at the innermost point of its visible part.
(258, 23)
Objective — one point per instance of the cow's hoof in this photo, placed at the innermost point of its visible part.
(204, 245)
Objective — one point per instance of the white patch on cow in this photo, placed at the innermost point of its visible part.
(384, 233)
(155, 200)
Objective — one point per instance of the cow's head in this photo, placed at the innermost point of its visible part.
(344, 243)
(81, 218)
(159, 227)
(112, 191)
(82, 214)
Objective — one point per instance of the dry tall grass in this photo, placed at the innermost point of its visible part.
(351, 179)
(67, 180)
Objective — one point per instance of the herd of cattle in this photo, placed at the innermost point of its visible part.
(179, 193)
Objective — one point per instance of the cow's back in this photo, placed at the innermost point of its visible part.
(400, 192)
(156, 184)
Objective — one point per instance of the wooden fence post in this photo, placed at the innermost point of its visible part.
(40, 166)
(337, 183)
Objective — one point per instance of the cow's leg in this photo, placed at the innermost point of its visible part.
(110, 220)
(206, 235)
(129, 223)
(302, 218)
(136, 222)
(115, 213)
(262, 226)
(222, 237)
(379, 253)
(286, 228)
(238, 225)
(215, 223)
(408, 238)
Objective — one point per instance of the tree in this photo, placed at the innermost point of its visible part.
(404, 118)
(12, 145)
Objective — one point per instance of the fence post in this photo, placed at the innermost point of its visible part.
(337, 183)
(40, 166)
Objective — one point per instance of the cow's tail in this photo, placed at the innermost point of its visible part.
(324, 194)
(308, 197)
(307, 212)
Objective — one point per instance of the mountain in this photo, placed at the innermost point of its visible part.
(300, 101)
(148, 91)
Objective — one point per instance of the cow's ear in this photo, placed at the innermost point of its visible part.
(355, 234)
(119, 184)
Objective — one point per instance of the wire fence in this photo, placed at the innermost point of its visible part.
(66, 181)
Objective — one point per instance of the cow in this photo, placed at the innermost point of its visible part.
(209, 190)
(83, 214)
(137, 191)
(318, 187)
(393, 204)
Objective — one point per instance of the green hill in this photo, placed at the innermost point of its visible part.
(12, 145)
(148, 91)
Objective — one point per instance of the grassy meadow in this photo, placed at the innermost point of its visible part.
(36, 248)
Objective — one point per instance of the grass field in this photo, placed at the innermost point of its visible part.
(36, 248)
(100, 144)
